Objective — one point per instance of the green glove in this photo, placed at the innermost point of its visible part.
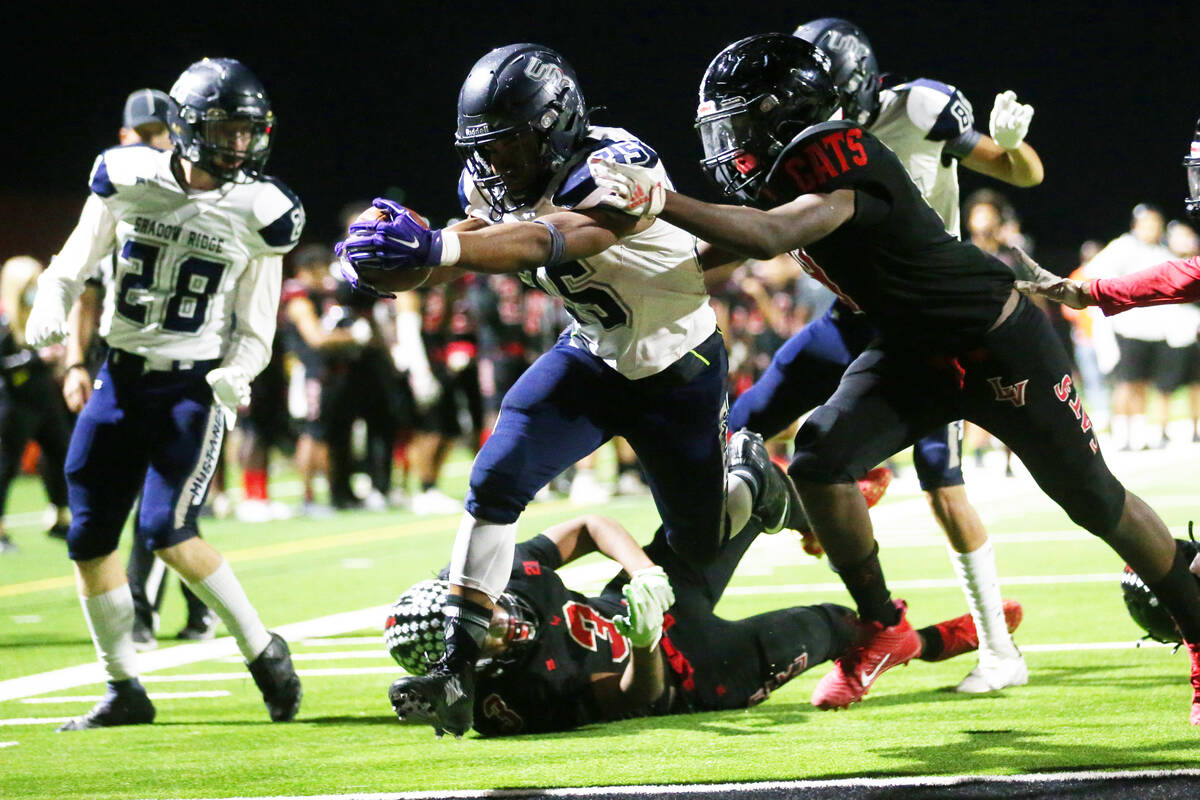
(648, 594)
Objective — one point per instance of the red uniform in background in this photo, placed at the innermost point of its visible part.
(1174, 281)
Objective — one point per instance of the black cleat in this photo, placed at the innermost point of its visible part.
(59, 531)
(125, 703)
(444, 699)
(199, 630)
(775, 498)
(276, 678)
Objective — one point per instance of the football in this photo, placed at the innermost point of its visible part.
(393, 280)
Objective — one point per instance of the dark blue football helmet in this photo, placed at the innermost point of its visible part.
(853, 66)
(520, 116)
(221, 119)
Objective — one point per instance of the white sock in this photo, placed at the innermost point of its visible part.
(981, 586)
(1137, 431)
(739, 502)
(110, 619)
(482, 556)
(223, 593)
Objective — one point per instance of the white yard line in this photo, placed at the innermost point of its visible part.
(170, 657)
(92, 698)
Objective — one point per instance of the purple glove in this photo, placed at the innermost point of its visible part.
(398, 242)
(343, 271)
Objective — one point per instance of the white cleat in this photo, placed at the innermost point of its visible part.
(998, 674)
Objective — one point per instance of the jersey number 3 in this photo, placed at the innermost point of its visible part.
(197, 279)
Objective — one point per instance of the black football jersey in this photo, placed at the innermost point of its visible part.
(893, 260)
(550, 689)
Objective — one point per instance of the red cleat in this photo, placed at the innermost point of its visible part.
(1194, 653)
(878, 649)
(959, 635)
(875, 484)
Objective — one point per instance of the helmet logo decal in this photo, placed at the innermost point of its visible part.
(476, 130)
(548, 73)
(839, 42)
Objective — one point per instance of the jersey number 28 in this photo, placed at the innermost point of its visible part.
(196, 280)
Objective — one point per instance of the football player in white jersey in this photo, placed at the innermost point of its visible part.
(200, 235)
(643, 358)
(930, 127)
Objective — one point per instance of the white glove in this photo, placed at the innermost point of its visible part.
(46, 325)
(1010, 120)
(230, 388)
(632, 189)
(648, 595)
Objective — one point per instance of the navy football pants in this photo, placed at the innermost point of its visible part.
(157, 432)
(806, 370)
(569, 402)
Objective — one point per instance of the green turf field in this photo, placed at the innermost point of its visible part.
(1093, 702)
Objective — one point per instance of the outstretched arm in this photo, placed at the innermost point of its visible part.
(751, 233)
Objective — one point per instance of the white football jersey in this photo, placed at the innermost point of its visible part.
(179, 255)
(928, 124)
(641, 304)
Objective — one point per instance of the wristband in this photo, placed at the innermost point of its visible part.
(451, 248)
(558, 243)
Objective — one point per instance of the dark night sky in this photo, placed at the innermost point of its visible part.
(365, 96)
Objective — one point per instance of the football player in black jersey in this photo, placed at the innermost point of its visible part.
(555, 659)
(956, 340)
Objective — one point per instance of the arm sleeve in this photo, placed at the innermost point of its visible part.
(1168, 282)
(256, 304)
(94, 237)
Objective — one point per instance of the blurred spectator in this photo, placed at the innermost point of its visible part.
(450, 335)
(1142, 334)
(305, 299)
(31, 404)
(1183, 242)
(1093, 345)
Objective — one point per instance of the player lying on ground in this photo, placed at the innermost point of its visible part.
(555, 659)
(956, 340)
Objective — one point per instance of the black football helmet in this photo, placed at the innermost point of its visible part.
(755, 97)
(221, 119)
(1192, 165)
(853, 67)
(520, 116)
(1144, 607)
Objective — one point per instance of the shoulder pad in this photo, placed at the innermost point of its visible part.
(579, 190)
(938, 109)
(816, 157)
(122, 167)
(280, 213)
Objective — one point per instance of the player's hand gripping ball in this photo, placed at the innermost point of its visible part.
(363, 264)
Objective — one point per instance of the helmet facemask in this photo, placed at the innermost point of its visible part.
(1192, 165)
(524, 169)
(232, 148)
(737, 145)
